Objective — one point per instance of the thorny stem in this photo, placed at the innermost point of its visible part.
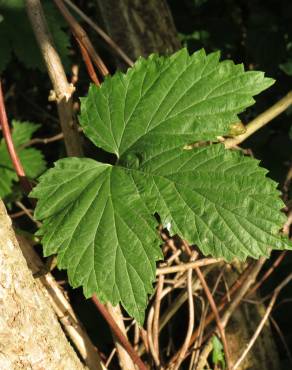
(24, 182)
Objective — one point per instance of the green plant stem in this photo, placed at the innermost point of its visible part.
(261, 121)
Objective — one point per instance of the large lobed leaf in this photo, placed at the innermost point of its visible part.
(31, 159)
(99, 218)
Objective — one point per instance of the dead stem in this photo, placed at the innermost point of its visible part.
(63, 91)
(263, 321)
(185, 266)
(155, 324)
(191, 321)
(213, 306)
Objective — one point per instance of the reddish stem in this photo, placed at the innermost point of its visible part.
(24, 182)
(80, 34)
(88, 63)
(119, 335)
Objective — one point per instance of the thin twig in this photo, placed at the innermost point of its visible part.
(205, 354)
(28, 213)
(241, 292)
(81, 35)
(101, 33)
(24, 182)
(155, 324)
(282, 338)
(263, 321)
(123, 356)
(63, 91)
(185, 266)
(216, 314)
(275, 264)
(261, 121)
(198, 342)
(197, 345)
(88, 63)
(191, 321)
(17, 214)
(150, 336)
(110, 357)
(122, 339)
(288, 223)
(209, 319)
(46, 140)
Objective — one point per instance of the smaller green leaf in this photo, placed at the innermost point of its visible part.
(165, 100)
(218, 353)
(32, 159)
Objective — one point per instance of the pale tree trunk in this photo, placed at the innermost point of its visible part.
(30, 334)
(141, 28)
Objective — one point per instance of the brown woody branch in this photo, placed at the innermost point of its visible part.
(63, 91)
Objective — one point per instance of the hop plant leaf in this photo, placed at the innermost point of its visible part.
(31, 159)
(99, 218)
(21, 41)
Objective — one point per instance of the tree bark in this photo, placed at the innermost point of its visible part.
(139, 27)
(30, 334)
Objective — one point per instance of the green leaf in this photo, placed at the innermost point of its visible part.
(99, 218)
(21, 39)
(31, 159)
(108, 245)
(218, 353)
(162, 100)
